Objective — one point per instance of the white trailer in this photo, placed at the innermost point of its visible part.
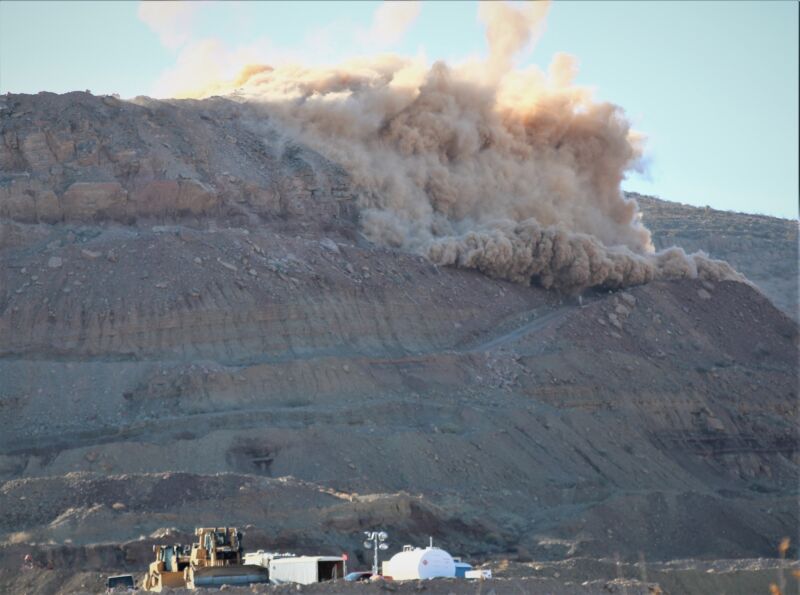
(262, 558)
(306, 569)
(480, 574)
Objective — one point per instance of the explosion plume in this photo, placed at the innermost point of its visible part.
(515, 173)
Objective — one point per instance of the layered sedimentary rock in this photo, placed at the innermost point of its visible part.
(190, 316)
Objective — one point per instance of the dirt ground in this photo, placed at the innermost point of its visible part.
(579, 576)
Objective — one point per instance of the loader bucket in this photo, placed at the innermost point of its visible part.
(216, 576)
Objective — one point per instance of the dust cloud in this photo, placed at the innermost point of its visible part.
(513, 172)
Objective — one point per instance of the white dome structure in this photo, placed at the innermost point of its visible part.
(418, 563)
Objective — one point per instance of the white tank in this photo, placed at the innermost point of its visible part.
(417, 563)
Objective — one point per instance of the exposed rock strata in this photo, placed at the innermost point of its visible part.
(180, 299)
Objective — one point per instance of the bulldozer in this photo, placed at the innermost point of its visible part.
(215, 559)
(168, 569)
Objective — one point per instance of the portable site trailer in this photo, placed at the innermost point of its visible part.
(306, 569)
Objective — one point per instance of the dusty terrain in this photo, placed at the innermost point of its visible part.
(193, 331)
(576, 576)
(764, 248)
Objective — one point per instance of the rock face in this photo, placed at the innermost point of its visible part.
(84, 200)
(192, 331)
(76, 157)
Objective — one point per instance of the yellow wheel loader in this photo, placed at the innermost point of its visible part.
(216, 559)
(168, 569)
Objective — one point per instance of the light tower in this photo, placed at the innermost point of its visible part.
(375, 540)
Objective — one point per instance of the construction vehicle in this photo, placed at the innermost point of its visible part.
(216, 559)
(168, 569)
(120, 582)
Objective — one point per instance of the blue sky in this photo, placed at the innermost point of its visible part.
(713, 85)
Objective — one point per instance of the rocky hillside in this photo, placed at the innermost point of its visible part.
(764, 248)
(193, 331)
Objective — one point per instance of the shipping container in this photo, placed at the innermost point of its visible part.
(306, 570)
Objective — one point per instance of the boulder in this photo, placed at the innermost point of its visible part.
(85, 200)
(265, 201)
(62, 148)
(17, 201)
(10, 157)
(37, 152)
(172, 197)
(158, 197)
(48, 208)
(195, 197)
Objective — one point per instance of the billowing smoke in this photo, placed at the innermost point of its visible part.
(515, 173)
